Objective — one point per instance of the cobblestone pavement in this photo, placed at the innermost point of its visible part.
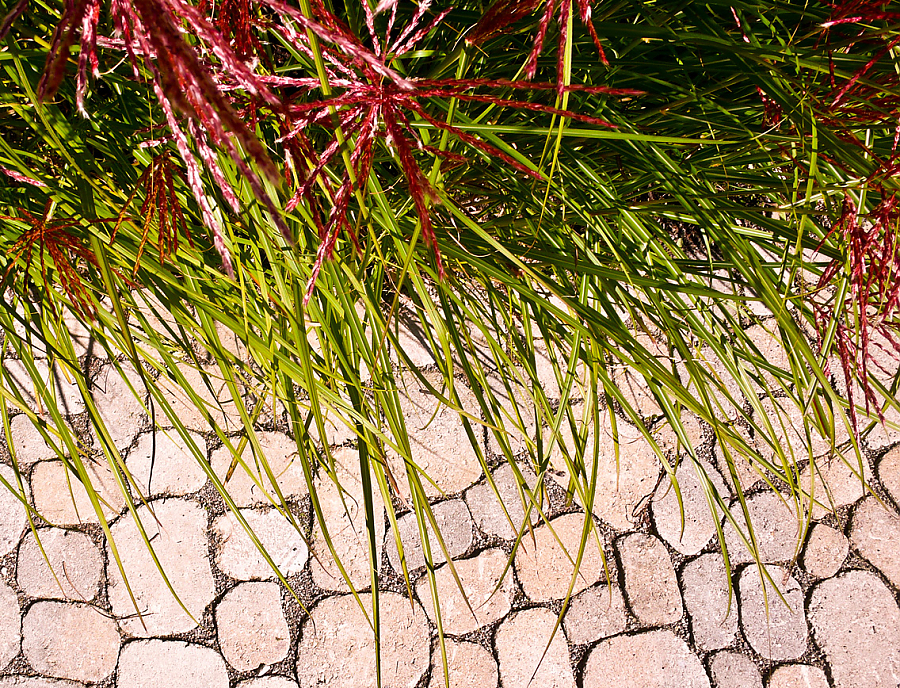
(651, 610)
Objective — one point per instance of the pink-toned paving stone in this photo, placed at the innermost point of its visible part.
(249, 484)
(835, 483)
(12, 513)
(65, 389)
(545, 569)
(713, 615)
(772, 351)
(63, 500)
(237, 555)
(178, 536)
(163, 464)
(699, 524)
(37, 682)
(798, 676)
(875, 534)
(120, 410)
(30, 446)
(268, 682)
(487, 511)
(667, 438)
(215, 399)
(775, 628)
(469, 666)
(10, 625)
(889, 473)
(251, 626)
(524, 655)
(337, 644)
(650, 581)
(791, 435)
(170, 663)
(515, 417)
(75, 565)
(73, 641)
(596, 613)
(733, 670)
(454, 524)
(775, 527)
(825, 552)
(480, 577)
(654, 659)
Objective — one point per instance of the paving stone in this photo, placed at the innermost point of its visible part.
(889, 473)
(650, 581)
(337, 431)
(407, 327)
(699, 524)
(789, 432)
(772, 351)
(239, 558)
(213, 392)
(826, 550)
(622, 486)
(774, 524)
(175, 470)
(479, 577)
(636, 391)
(62, 499)
(668, 439)
(515, 417)
(345, 519)
(545, 569)
(454, 524)
(836, 484)
(733, 670)
(856, 622)
(596, 613)
(12, 513)
(36, 682)
(487, 511)
(10, 625)
(337, 647)
(29, 444)
(66, 392)
(798, 676)
(251, 626)
(714, 623)
(179, 540)
(268, 682)
(779, 633)
(470, 666)
(170, 663)
(280, 453)
(73, 641)
(747, 473)
(121, 412)
(882, 435)
(521, 642)
(874, 533)
(74, 559)
(82, 341)
(655, 659)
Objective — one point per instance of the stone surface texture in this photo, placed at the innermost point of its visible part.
(775, 527)
(240, 558)
(714, 622)
(172, 663)
(875, 534)
(10, 625)
(798, 676)
(12, 514)
(454, 524)
(252, 629)
(75, 565)
(249, 484)
(469, 666)
(487, 512)
(776, 630)
(734, 670)
(162, 464)
(826, 549)
(63, 500)
(699, 524)
(596, 613)
(521, 642)
(650, 581)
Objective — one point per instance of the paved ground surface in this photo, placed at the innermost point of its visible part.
(662, 618)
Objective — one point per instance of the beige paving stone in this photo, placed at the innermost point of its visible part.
(545, 569)
(36, 682)
(337, 646)
(280, 453)
(480, 577)
(515, 417)
(10, 625)
(239, 558)
(82, 342)
(29, 445)
(775, 527)
(521, 642)
(889, 473)
(835, 484)
(636, 391)
(714, 622)
(454, 524)
(733, 670)
(337, 427)
(875, 534)
(179, 540)
(170, 663)
(779, 632)
(747, 473)
(407, 328)
(883, 434)
(487, 512)
(856, 622)
(772, 351)
(699, 524)
(798, 676)
(650, 581)
(65, 389)
(73, 641)
(655, 659)
(210, 386)
(825, 552)
(789, 432)
(74, 559)
(121, 412)
(668, 439)
(175, 471)
(12, 513)
(345, 519)
(62, 499)
(268, 682)
(595, 613)
(251, 626)
(470, 666)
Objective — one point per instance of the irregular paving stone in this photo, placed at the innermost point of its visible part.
(121, 412)
(10, 625)
(454, 524)
(280, 453)
(655, 659)
(479, 577)
(521, 642)
(594, 614)
(826, 550)
(779, 633)
(337, 647)
(67, 395)
(874, 533)
(162, 464)
(338, 428)
(239, 558)
(798, 676)
(714, 622)
(515, 417)
(179, 540)
(772, 351)
(790, 434)
(889, 473)
(545, 569)
(411, 339)
(774, 524)
(170, 663)
(12, 513)
(668, 439)
(75, 561)
(699, 524)
(36, 682)
(835, 484)
(251, 626)
(856, 622)
(650, 581)
(747, 473)
(733, 670)
(487, 511)
(469, 666)
(73, 641)
(62, 499)
(345, 519)
(29, 444)
(213, 392)
(636, 391)
(267, 682)
(882, 435)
